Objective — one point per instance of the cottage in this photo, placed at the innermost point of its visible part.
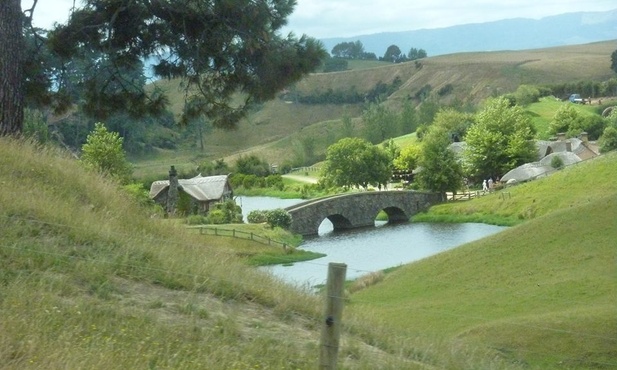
(570, 151)
(194, 195)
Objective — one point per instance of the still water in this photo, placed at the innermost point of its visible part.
(370, 249)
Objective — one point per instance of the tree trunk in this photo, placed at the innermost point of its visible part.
(11, 68)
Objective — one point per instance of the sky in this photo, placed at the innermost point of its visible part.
(348, 18)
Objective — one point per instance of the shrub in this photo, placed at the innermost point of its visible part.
(285, 168)
(250, 181)
(236, 180)
(608, 141)
(197, 220)
(257, 216)
(557, 162)
(103, 152)
(526, 94)
(275, 181)
(216, 217)
(232, 213)
(138, 191)
(278, 218)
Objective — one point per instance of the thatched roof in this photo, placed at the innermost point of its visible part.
(529, 171)
(199, 187)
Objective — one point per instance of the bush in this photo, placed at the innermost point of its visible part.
(103, 152)
(197, 220)
(232, 213)
(257, 216)
(275, 181)
(608, 141)
(557, 162)
(278, 218)
(140, 193)
(285, 168)
(217, 217)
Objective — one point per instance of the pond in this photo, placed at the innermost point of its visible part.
(369, 249)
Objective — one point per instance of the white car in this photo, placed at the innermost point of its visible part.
(576, 98)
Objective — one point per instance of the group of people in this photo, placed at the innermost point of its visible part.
(487, 185)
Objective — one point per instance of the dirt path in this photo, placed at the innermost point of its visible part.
(307, 179)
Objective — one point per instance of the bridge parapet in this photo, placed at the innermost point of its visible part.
(355, 210)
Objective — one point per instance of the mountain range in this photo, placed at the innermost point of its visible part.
(508, 34)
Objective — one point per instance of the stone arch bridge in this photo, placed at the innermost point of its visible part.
(353, 210)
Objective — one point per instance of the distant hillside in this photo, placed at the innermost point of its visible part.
(509, 34)
(276, 130)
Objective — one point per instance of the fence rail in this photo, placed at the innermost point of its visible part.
(204, 230)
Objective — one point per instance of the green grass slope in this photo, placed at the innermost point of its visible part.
(541, 295)
(88, 280)
(570, 187)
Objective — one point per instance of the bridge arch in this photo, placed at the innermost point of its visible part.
(353, 210)
(339, 222)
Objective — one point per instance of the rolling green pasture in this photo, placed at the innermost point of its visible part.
(541, 294)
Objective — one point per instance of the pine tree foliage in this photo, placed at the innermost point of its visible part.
(229, 54)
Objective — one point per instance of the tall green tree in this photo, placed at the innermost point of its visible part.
(408, 120)
(565, 118)
(380, 123)
(440, 170)
(349, 50)
(408, 158)
(393, 54)
(219, 49)
(614, 61)
(416, 54)
(453, 122)
(355, 162)
(500, 140)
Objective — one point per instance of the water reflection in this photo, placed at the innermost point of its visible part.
(378, 248)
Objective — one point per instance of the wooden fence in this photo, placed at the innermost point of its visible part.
(205, 230)
(468, 195)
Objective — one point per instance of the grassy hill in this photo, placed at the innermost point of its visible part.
(276, 129)
(542, 294)
(90, 280)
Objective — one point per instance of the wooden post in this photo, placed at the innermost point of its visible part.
(331, 330)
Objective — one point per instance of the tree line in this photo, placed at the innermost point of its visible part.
(354, 50)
